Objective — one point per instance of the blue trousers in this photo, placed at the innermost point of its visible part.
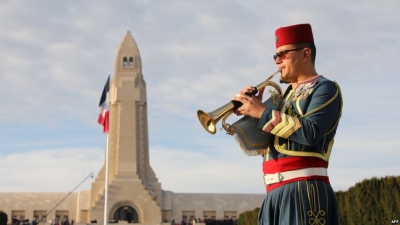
(311, 202)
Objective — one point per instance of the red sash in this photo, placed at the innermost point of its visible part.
(293, 163)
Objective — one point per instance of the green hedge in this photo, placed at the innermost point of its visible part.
(248, 217)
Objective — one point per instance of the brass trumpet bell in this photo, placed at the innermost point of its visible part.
(210, 120)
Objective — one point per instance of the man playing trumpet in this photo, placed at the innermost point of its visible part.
(304, 126)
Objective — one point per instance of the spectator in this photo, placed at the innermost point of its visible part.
(3, 218)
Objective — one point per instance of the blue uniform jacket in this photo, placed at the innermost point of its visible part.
(307, 120)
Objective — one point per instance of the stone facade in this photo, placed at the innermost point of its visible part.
(201, 205)
(134, 192)
(29, 205)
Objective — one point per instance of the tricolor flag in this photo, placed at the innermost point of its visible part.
(104, 106)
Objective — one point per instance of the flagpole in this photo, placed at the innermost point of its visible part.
(107, 162)
(106, 185)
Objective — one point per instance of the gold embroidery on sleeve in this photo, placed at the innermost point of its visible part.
(287, 126)
(280, 125)
(270, 121)
(290, 130)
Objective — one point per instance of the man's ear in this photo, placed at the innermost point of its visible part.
(307, 54)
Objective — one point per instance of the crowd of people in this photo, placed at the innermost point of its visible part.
(206, 220)
(16, 221)
(65, 221)
(36, 221)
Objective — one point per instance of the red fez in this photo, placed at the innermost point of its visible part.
(298, 33)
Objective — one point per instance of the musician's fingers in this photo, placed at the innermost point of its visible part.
(241, 110)
(237, 113)
(244, 91)
(249, 89)
(249, 102)
(244, 97)
(255, 99)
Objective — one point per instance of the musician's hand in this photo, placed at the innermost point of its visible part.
(252, 106)
(236, 112)
(250, 89)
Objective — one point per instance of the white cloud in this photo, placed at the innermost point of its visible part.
(50, 170)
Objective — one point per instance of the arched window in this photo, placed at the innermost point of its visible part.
(131, 61)
(126, 213)
(125, 63)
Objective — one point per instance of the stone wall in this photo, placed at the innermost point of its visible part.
(210, 205)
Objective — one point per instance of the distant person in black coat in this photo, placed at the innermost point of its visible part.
(3, 218)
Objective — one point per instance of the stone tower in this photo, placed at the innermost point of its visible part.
(134, 191)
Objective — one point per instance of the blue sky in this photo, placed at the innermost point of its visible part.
(55, 58)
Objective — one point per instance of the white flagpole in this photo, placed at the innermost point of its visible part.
(106, 185)
(107, 159)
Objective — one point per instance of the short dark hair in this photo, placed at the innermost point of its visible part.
(3, 218)
(311, 46)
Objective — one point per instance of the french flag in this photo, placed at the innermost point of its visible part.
(104, 106)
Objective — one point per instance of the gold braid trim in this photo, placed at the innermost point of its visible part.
(340, 111)
(338, 92)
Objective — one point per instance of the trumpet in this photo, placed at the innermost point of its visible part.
(209, 120)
